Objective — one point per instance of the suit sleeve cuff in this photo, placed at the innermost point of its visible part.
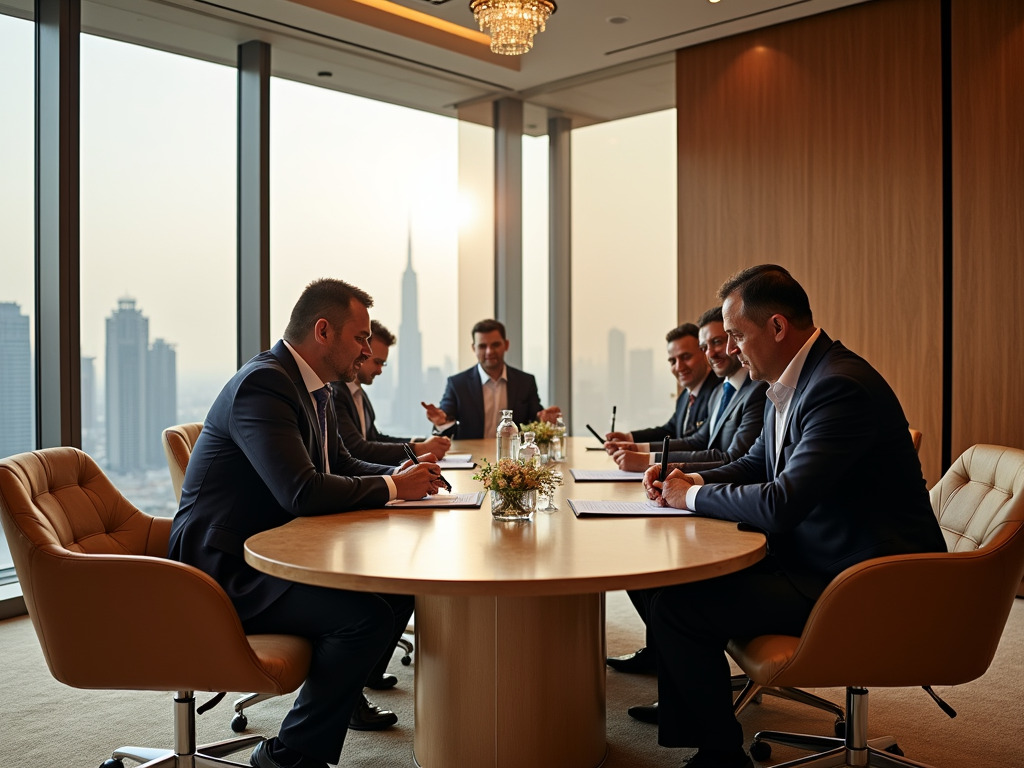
(392, 491)
(444, 427)
(691, 495)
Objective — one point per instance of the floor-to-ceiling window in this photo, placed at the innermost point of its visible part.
(158, 294)
(17, 247)
(623, 271)
(368, 192)
(535, 262)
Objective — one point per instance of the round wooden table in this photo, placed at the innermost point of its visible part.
(510, 651)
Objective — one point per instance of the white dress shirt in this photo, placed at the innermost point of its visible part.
(781, 394)
(313, 383)
(495, 394)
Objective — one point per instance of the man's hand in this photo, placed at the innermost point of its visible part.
(619, 437)
(612, 446)
(437, 417)
(550, 415)
(673, 490)
(436, 445)
(631, 461)
(651, 476)
(414, 481)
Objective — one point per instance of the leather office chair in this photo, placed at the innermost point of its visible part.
(178, 442)
(94, 574)
(944, 613)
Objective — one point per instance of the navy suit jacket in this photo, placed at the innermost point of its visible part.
(258, 464)
(733, 434)
(682, 423)
(375, 447)
(464, 401)
(848, 485)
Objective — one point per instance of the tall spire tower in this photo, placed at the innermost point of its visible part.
(408, 412)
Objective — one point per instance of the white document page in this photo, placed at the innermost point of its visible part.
(442, 501)
(458, 457)
(605, 476)
(586, 508)
(448, 463)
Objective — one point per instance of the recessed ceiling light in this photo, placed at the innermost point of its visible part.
(713, 1)
(325, 74)
(617, 19)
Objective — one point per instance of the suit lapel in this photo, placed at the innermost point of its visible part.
(732, 406)
(313, 443)
(371, 417)
(474, 391)
(814, 357)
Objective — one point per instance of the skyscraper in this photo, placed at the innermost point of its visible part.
(617, 367)
(408, 413)
(161, 398)
(127, 345)
(89, 405)
(17, 422)
(641, 384)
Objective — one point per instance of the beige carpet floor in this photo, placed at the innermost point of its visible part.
(47, 724)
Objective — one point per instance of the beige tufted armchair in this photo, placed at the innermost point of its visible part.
(95, 576)
(979, 504)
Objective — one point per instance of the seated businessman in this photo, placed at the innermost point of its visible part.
(737, 414)
(736, 410)
(832, 480)
(474, 399)
(696, 384)
(268, 453)
(356, 416)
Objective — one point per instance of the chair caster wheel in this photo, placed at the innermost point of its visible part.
(112, 763)
(238, 723)
(406, 660)
(895, 750)
(760, 750)
(839, 728)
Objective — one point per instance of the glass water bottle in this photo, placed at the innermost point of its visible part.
(529, 452)
(558, 441)
(507, 437)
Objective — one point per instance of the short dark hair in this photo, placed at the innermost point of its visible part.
(767, 290)
(681, 331)
(713, 315)
(327, 298)
(382, 334)
(486, 326)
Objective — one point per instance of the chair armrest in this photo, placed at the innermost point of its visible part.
(139, 623)
(924, 619)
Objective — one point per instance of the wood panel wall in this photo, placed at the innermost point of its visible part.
(988, 223)
(817, 144)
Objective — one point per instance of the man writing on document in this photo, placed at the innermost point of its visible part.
(696, 381)
(268, 453)
(474, 399)
(812, 482)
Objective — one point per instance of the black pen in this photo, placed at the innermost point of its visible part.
(664, 459)
(613, 418)
(412, 457)
(594, 433)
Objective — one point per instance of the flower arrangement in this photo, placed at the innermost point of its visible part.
(543, 431)
(510, 477)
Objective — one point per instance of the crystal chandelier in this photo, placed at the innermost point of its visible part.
(511, 23)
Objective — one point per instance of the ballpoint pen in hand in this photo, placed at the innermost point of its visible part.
(613, 418)
(412, 457)
(664, 459)
(594, 433)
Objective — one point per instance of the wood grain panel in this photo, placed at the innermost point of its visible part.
(988, 222)
(817, 145)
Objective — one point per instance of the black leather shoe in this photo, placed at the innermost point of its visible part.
(728, 759)
(261, 757)
(640, 663)
(644, 713)
(383, 683)
(367, 716)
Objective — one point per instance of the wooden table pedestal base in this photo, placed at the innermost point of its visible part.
(510, 682)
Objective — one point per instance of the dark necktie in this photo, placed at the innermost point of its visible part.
(321, 396)
(689, 414)
(728, 390)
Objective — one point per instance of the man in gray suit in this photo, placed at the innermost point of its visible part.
(735, 412)
(736, 416)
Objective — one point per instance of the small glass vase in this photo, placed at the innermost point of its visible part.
(518, 505)
(545, 453)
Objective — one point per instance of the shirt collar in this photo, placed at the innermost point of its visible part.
(695, 390)
(791, 376)
(486, 377)
(738, 378)
(353, 386)
(310, 379)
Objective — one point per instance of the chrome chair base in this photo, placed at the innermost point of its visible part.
(855, 750)
(185, 753)
(751, 691)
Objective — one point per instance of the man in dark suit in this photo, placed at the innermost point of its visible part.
(737, 413)
(696, 383)
(833, 480)
(268, 453)
(356, 415)
(474, 399)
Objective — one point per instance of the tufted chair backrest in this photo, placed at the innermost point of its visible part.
(980, 499)
(178, 442)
